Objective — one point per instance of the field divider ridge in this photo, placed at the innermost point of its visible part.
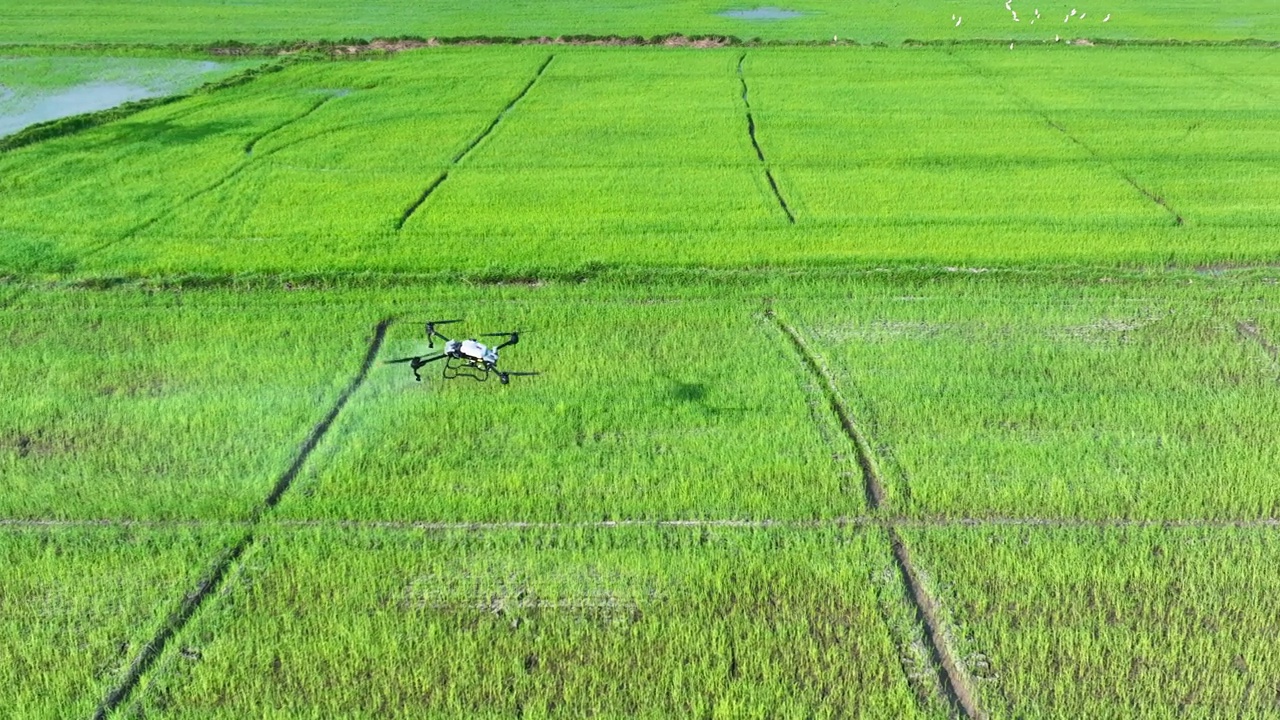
(952, 676)
(755, 143)
(1031, 107)
(212, 580)
(462, 154)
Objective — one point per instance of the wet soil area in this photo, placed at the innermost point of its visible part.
(86, 88)
(762, 13)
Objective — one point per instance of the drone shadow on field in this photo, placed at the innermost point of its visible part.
(696, 393)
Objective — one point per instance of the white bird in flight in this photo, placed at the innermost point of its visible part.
(1107, 18)
(1082, 15)
(958, 21)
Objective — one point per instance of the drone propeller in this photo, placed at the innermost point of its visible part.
(512, 338)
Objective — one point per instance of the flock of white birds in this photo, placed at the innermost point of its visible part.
(1008, 5)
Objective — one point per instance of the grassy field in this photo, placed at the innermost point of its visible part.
(140, 21)
(78, 604)
(534, 161)
(903, 380)
(1112, 623)
(1102, 400)
(621, 622)
(149, 405)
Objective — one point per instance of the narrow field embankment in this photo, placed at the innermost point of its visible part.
(439, 180)
(953, 678)
(755, 143)
(1033, 108)
(212, 580)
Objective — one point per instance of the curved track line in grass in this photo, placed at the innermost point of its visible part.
(955, 679)
(1031, 107)
(226, 178)
(248, 148)
(462, 154)
(870, 475)
(952, 677)
(1250, 330)
(751, 132)
(212, 579)
(1225, 77)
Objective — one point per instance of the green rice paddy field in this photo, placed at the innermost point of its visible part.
(876, 381)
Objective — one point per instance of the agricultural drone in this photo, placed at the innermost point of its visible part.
(464, 358)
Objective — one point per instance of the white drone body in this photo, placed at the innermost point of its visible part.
(473, 350)
(464, 358)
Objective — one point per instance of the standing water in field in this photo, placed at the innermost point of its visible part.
(762, 13)
(34, 90)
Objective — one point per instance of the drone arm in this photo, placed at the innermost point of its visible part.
(433, 333)
(515, 338)
(417, 363)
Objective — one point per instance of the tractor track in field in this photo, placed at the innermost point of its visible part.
(212, 579)
(226, 178)
(1249, 329)
(1031, 107)
(1229, 79)
(751, 133)
(872, 484)
(249, 146)
(953, 678)
(462, 154)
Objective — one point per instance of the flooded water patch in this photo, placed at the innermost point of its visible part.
(40, 89)
(762, 13)
(86, 98)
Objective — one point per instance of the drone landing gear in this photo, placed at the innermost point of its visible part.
(454, 368)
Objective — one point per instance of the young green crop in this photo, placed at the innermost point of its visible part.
(78, 603)
(646, 408)
(1107, 400)
(634, 622)
(148, 405)
(1143, 112)
(625, 157)
(1112, 622)
(207, 21)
